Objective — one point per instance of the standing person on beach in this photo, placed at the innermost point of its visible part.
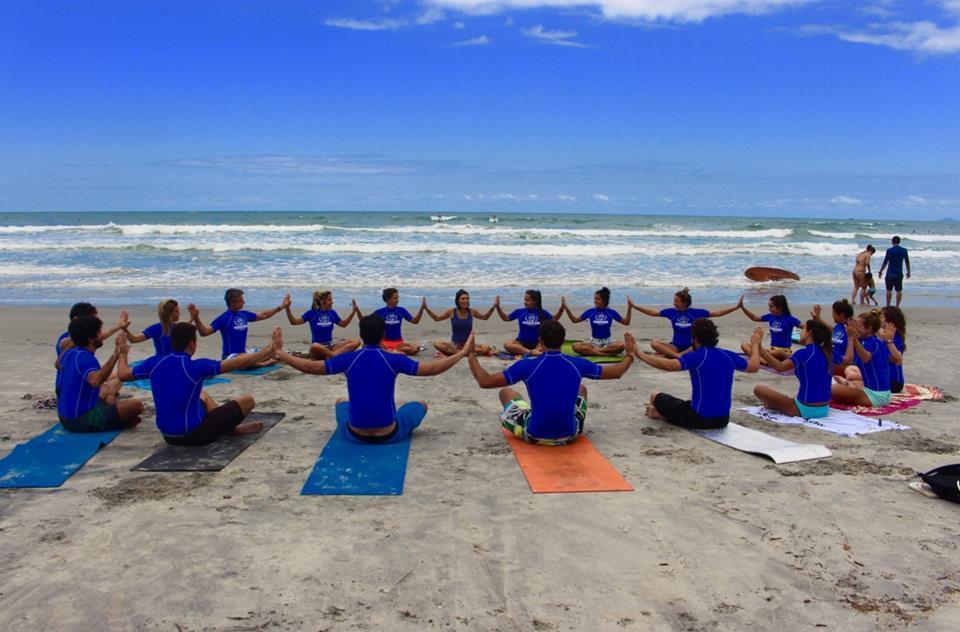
(558, 400)
(461, 317)
(871, 347)
(322, 317)
(896, 256)
(781, 323)
(370, 413)
(169, 313)
(711, 377)
(63, 341)
(861, 267)
(393, 316)
(601, 317)
(813, 366)
(86, 402)
(232, 324)
(529, 318)
(681, 317)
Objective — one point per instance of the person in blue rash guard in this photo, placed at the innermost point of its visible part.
(781, 323)
(842, 313)
(370, 413)
(232, 324)
(83, 406)
(681, 317)
(814, 370)
(896, 256)
(169, 313)
(461, 317)
(529, 317)
(891, 314)
(711, 376)
(322, 317)
(393, 316)
(63, 342)
(557, 408)
(601, 318)
(186, 414)
(872, 348)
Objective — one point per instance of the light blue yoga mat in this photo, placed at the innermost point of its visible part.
(50, 459)
(145, 384)
(351, 469)
(260, 370)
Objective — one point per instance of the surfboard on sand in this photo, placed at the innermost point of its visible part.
(769, 274)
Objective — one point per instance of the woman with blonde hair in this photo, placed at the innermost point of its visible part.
(168, 310)
(322, 317)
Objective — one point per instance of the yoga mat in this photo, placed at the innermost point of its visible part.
(49, 459)
(575, 467)
(756, 442)
(145, 384)
(352, 469)
(770, 369)
(842, 422)
(212, 457)
(599, 359)
(260, 370)
(912, 395)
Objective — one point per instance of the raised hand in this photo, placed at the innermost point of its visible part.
(853, 328)
(276, 339)
(630, 343)
(888, 332)
(496, 300)
(630, 303)
(194, 312)
(757, 336)
(740, 302)
(121, 344)
(124, 320)
(286, 301)
(470, 348)
(354, 306)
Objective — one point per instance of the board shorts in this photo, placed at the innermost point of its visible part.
(877, 398)
(408, 418)
(894, 283)
(516, 414)
(680, 412)
(599, 342)
(325, 345)
(216, 423)
(811, 412)
(101, 418)
(391, 345)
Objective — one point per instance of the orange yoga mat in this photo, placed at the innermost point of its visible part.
(575, 467)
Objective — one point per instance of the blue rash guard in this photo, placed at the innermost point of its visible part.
(682, 321)
(781, 329)
(321, 324)
(553, 383)
(813, 372)
(601, 321)
(393, 318)
(176, 381)
(876, 372)
(839, 343)
(56, 347)
(894, 260)
(233, 330)
(711, 375)
(76, 395)
(896, 370)
(161, 341)
(371, 378)
(529, 325)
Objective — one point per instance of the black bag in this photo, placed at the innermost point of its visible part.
(944, 481)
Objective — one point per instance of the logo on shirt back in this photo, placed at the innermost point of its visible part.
(239, 323)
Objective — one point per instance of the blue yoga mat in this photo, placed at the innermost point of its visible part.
(50, 459)
(145, 384)
(351, 469)
(260, 370)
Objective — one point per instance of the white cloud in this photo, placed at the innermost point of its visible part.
(557, 38)
(846, 200)
(600, 197)
(566, 198)
(378, 24)
(459, 26)
(921, 37)
(482, 40)
(299, 165)
(668, 10)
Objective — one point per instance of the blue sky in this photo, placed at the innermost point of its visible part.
(768, 107)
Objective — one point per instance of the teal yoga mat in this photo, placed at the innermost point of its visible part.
(48, 460)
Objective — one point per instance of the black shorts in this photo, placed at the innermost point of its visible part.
(528, 345)
(218, 422)
(894, 283)
(680, 413)
(896, 387)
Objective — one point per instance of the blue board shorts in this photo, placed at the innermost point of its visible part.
(408, 418)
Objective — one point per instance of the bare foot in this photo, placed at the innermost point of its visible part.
(251, 427)
(133, 422)
(652, 412)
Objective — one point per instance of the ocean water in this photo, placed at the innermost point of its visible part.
(120, 259)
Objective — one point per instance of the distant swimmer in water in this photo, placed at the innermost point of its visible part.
(169, 313)
(461, 317)
(681, 317)
(393, 316)
(528, 318)
(860, 269)
(232, 324)
(322, 317)
(601, 318)
(781, 323)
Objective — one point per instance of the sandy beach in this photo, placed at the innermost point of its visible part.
(711, 538)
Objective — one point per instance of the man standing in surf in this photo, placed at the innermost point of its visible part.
(897, 255)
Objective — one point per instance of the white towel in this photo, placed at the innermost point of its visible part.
(841, 422)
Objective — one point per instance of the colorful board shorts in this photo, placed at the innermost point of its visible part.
(600, 343)
(100, 418)
(391, 345)
(517, 411)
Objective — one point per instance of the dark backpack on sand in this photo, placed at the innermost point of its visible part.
(944, 481)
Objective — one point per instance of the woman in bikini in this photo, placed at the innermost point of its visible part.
(461, 317)
(860, 269)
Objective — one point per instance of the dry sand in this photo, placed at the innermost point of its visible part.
(712, 539)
